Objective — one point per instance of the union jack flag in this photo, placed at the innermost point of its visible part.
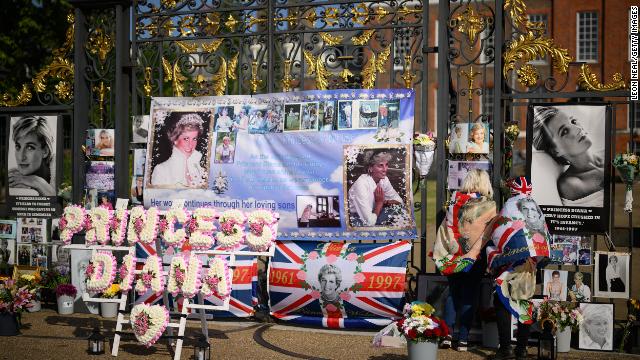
(338, 285)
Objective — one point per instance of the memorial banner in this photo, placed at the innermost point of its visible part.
(334, 164)
(338, 285)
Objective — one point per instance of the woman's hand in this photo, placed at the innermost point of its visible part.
(17, 180)
(378, 199)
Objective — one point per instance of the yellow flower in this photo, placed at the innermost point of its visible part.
(112, 291)
(28, 277)
(419, 309)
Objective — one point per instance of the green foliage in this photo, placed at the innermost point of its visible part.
(29, 32)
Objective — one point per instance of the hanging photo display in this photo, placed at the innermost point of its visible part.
(137, 181)
(469, 138)
(564, 249)
(458, 171)
(579, 286)
(281, 152)
(338, 285)
(7, 256)
(555, 284)
(596, 330)
(33, 168)
(569, 147)
(140, 130)
(8, 229)
(100, 142)
(612, 275)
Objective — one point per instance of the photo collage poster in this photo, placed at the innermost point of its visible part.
(34, 165)
(313, 157)
(31, 242)
(564, 142)
(570, 250)
(8, 231)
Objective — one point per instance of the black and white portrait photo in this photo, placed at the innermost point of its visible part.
(180, 151)
(140, 130)
(79, 261)
(368, 113)
(24, 254)
(612, 275)
(596, 331)
(7, 256)
(568, 156)
(32, 155)
(376, 186)
(330, 278)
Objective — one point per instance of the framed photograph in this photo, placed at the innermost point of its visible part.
(139, 159)
(100, 142)
(179, 138)
(19, 270)
(347, 114)
(315, 211)
(31, 230)
(327, 117)
(100, 175)
(292, 117)
(478, 140)
(90, 198)
(140, 128)
(612, 275)
(8, 229)
(224, 118)
(564, 143)
(584, 251)
(389, 113)
(54, 232)
(258, 121)
(596, 331)
(39, 256)
(368, 114)
(309, 116)
(79, 261)
(275, 118)
(458, 138)
(7, 255)
(388, 167)
(565, 249)
(458, 171)
(579, 286)
(225, 148)
(24, 254)
(137, 190)
(554, 284)
(61, 257)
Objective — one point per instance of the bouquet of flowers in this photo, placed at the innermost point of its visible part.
(112, 291)
(628, 165)
(419, 324)
(424, 148)
(563, 314)
(15, 299)
(66, 290)
(632, 317)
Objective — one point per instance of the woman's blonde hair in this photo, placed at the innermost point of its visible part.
(107, 146)
(477, 180)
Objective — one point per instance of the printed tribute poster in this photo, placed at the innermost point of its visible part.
(32, 165)
(317, 158)
(338, 285)
(569, 165)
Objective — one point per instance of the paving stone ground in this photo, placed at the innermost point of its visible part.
(47, 335)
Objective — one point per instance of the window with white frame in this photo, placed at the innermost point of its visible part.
(487, 101)
(540, 18)
(587, 36)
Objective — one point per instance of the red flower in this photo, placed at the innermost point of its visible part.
(413, 334)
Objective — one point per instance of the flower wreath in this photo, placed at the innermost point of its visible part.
(127, 272)
(171, 236)
(344, 294)
(231, 232)
(202, 228)
(119, 226)
(71, 222)
(259, 238)
(98, 227)
(183, 278)
(149, 322)
(143, 225)
(101, 271)
(216, 281)
(151, 276)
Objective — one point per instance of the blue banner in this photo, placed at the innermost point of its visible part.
(334, 164)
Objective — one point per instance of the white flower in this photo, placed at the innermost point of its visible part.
(120, 217)
(149, 220)
(191, 284)
(104, 271)
(158, 318)
(73, 217)
(99, 230)
(202, 237)
(153, 267)
(217, 279)
(171, 236)
(263, 241)
(128, 266)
